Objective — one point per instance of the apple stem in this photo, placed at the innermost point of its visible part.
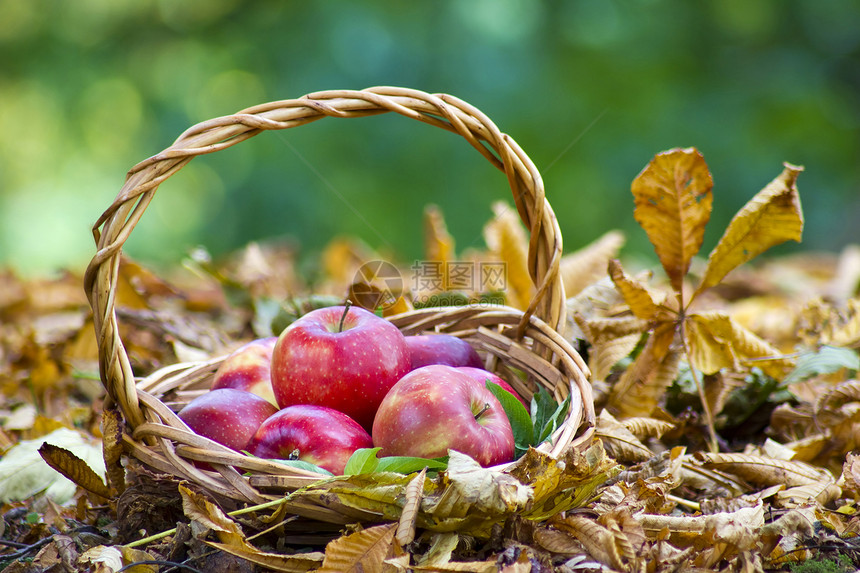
(346, 305)
(483, 410)
(294, 455)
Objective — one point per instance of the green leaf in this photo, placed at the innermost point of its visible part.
(521, 423)
(825, 360)
(303, 465)
(543, 406)
(546, 414)
(362, 461)
(408, 465)
(553, 422)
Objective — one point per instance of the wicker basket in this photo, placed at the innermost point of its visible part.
(528, 341)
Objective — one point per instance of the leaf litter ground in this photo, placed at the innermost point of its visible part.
(727, 392)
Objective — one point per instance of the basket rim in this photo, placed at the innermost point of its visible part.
(546, 310)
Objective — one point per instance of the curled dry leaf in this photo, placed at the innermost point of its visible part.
(770, 218)
(73, 468)
(611, 340)
(636, 295)
(765, 471)
(442, 545)
(411, 505)
(606, 546)
(716, 341)
(620, 443)
(364, 551)
(644, 382)
(644, 427)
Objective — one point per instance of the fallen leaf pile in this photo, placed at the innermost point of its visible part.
(726, 387)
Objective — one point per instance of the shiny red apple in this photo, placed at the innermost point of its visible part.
(227, 416)
(346, 359)
(426, 349)
(481, 376)
(436, 408)
(249, 368)
(314, 434)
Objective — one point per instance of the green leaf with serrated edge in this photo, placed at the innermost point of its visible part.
(408, 465)
(553, 422)
(521, 423)
(362, 461)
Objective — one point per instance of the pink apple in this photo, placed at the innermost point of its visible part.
(249, 368)
(346, 361)
(425, 349)
(227, 416)
(436, 408)
(314, 434)
(482, 376)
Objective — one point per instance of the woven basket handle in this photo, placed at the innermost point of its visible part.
(447, 112)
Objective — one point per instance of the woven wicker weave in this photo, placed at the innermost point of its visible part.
(528, 341)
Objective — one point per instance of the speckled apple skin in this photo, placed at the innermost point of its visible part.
(426, 349)
(432, 409)
(350, 371)
(322, 436)
(227, 416)
(249, 368)
(482, 376)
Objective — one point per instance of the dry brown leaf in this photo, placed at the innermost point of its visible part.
(826, 323)
(611, 340)
(715, 341)
(112, 448)
(442, 545)
(765, 471)
(296, 563)
(362, 552)
(738, 527)
(459, 566)
(718, 389)
(598, 540)
(73, 468)
(770, 218)
(507, 240)
(412, 503)
(645, 381)
(640, 301)
(619, 442)
(473, 488)
(556, 541)
(673, 204)
(587, 265)
(199, 509)
(823, 492)
(645, 427)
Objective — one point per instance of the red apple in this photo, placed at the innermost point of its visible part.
(346, 361)
(482, 376)
(227, 416)
(249, 368)
(314, 434)
(436, 408)
(425, 349)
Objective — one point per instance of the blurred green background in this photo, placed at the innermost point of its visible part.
(591, 89)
